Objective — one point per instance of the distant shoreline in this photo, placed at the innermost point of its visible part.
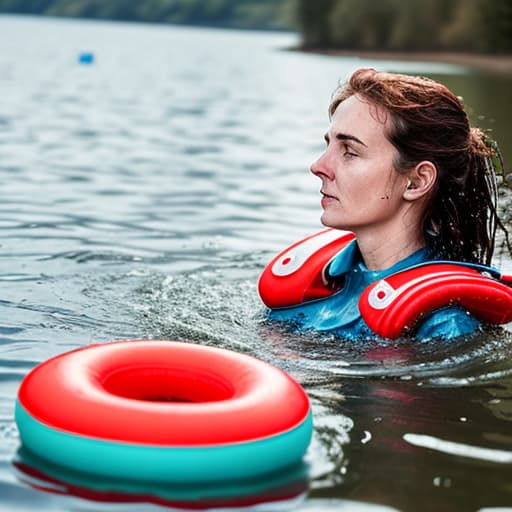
(499, 64)
(483, 62)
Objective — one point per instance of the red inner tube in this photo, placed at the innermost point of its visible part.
(163, 393)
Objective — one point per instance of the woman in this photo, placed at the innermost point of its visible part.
(404, 171)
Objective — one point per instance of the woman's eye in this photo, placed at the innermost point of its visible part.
(348, 152)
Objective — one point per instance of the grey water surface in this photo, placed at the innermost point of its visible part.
(143, 194)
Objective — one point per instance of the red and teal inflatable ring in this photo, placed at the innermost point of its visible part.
(163, 411)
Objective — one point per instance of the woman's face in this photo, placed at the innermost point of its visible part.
(360, 187)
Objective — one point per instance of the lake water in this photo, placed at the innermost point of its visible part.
(142, 196)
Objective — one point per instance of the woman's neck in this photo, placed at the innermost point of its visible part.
(380, 251)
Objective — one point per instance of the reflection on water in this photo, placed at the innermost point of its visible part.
(284, 490)
(142, 197)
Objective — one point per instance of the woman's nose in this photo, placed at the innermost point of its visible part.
(321, 166)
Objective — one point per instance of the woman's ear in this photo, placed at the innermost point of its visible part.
(420, 181)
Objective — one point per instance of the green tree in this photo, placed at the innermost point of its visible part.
(361, 24)
(240, 13)
(18, 6)
(497, 25)
(418, 24)
(412, 25)
(465, 31)
(313, 19)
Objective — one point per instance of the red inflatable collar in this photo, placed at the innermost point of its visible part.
(297, 274)
(394, 304)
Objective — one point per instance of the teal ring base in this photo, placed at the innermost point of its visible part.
(153, 463)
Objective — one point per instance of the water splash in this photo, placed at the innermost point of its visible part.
(202, 306)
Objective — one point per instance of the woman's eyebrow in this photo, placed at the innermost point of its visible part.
(344, 136)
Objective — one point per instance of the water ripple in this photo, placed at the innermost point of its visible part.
(230, 314)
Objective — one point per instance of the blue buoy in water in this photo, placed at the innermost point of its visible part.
(86, 58)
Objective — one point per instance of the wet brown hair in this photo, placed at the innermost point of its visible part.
(429, 123)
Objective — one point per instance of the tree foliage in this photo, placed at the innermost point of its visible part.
(261, 14)
(412, 25)
(399, 25)
(497, 19)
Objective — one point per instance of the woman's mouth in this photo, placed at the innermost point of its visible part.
(327, 199)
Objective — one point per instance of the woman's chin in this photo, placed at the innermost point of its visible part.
(329, 222)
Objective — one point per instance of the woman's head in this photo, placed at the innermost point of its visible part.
(428, 123)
